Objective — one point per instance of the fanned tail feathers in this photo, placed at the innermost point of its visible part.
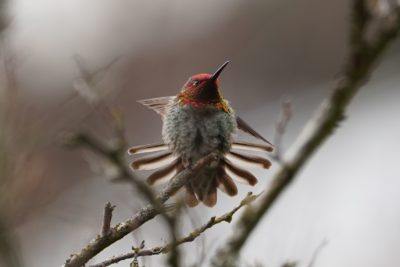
(226, 184)
(251, 147)
(239, 174)
(248, 160)
(147, 149)
(231, 168)
(210, 198)
(190, 197)
(153, 162)
(166, 172)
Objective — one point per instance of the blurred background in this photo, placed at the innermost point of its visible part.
(52, 197)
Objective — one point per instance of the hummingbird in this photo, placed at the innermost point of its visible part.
(196, 122)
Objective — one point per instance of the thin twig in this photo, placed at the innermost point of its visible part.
(87, 86)
(362, 60)
(280, 128)
(289, 264)
(136, 250)
(142, 216)
(174, 256)
(108, 209)
(227, 217)
(316, 253)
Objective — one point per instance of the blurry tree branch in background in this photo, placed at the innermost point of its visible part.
(316, 253)
(116, 156)
(10, 183)
(361, 62)
(366, 47)
(113, 153)
(280, 128)
(8, 250)
(21, 168)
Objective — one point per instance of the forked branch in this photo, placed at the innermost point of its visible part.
(142, 216)
(227, 217)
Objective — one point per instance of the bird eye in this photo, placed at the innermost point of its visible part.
(195, 82)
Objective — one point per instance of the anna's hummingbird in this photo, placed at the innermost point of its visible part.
(196, 122)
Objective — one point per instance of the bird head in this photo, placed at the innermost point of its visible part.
(202, 90)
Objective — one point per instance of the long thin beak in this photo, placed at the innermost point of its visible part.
(214, 77)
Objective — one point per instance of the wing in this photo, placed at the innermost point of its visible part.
(159, 104)
(242, 125)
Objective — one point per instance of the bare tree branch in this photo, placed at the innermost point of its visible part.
(174, 256)
(227, 217)
(9, 254)
(108, 209)
(362, 59)
(142, 216)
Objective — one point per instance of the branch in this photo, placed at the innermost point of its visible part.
(142, 216)
(227, 217)
(362, 60)
(9, 253)
(280, 128)
(108, 209)
(316, 253)
(174, 259)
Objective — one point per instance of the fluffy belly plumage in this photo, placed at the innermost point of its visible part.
(193, 132)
